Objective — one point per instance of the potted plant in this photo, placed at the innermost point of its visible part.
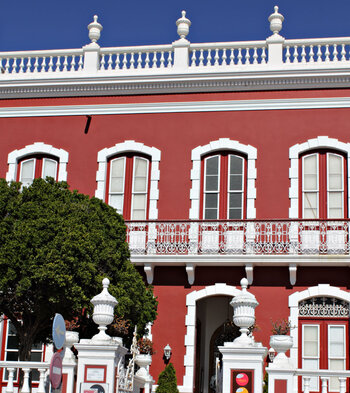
(280, 340)
(144, 358)
(72, 338)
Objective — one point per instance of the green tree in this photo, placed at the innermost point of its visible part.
(56, 246)
(167, 380)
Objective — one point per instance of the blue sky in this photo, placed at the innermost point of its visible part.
(49, 24)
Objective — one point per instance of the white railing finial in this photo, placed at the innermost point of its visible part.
(276, 20)
(183, 25)
(94, 30)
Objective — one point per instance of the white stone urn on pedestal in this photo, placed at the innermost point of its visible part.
(71, 339)
(244, 306)
(143, 361)
(103, 315)
(281, 343)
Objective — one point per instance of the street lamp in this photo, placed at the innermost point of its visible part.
(167, 353)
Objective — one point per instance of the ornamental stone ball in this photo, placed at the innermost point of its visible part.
(183, 25)
(103, 315)
(276, 20)
(94, 30)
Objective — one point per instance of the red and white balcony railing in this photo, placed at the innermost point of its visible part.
(239, 237)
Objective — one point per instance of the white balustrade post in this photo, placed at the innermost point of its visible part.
(182, 45)
(41, 387)
(11, 372)
(92, 50)
(324, 384)
(25, 387)
(342, 385)
(275, 41)
(306, 381)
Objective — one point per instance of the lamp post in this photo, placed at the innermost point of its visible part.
(167, 353)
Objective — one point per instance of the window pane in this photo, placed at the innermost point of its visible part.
(35, 356)
(116, 201)
(336, 341)
(139, 207)
(12, 342)
(236, 182)
(235, 200)
(211, 201)
(117, 175)
(310, 205)
(235, 214)
(212, 165)
(310, 173)
(49, 168)
(236, 165)
(140, 184)
(140, 174)
(211, 183)
(210, 214)
(12, 356)
(335, 172)
(310, 341)
(27, 172)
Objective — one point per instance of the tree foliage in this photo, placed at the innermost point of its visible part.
(167, 380)
(56, 246)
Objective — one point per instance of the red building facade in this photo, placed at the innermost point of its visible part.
(226, 161)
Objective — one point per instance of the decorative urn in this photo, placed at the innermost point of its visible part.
(244, 306)
(103, 315)
(71, 339)
(183, 25)
(143, 361)
(276, 20)
(281, 343)
(95, 30)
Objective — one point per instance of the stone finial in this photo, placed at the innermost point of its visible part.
(183, 25)
(94, 30)
(276, 20)
(244, 306)
(103, 315)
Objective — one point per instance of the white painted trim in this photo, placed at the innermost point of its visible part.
(125, 147)
(196, 79)
(37, 148)
(294, 154)
(293, 303)
(190, 322)
(223, 144)
(177, 107)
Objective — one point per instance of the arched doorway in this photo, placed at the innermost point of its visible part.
(214, 326)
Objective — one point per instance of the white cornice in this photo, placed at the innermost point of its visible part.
(174, 107)
(192, 81)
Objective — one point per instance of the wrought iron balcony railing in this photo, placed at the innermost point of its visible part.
(238, 237)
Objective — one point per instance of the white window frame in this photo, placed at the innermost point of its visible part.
(217, 192)
(37, 148)
(43, 166)
(242, 191)
(303, 356)
(328, 349)
(133, 192)
(110, 181)
(321, 142)
(21, 168)
(317, 191)
(219, 145)
(342, 181)
(136, 148)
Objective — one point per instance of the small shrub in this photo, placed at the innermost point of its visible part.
(167, 380)
(145, 346)
(281, 327)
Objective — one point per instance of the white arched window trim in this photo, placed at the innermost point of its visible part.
(223, 144)
(295, 151)
(293, 303)
(37, 148)
(190, 322)
(127, 147)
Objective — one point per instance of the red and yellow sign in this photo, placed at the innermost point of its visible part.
(242, 381)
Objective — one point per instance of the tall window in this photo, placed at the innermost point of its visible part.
(223, 186)
(323, 185)
(30, 168)
(324, 332)
(128, 186)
